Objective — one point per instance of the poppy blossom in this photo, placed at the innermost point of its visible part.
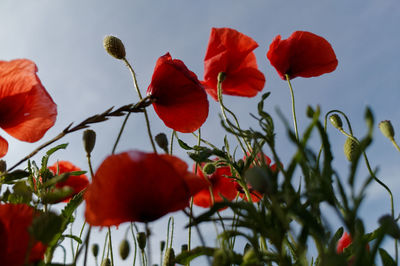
(77, 183)
(231, 52)
(222, 186)
(255, 195)
(179, 98)
(303, 54)
(137, 186)
(343, 242)
(26, 109)
(16, 243)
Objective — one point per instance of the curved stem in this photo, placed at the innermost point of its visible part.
(395, 144)
(140, 97)
(120, 133)
(110, 246)
(293, 107)
(134, 241)
(223, 109)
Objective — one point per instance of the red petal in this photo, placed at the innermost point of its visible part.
(3, 147)
(181, 101)
(230, 51)
(26, 109)
(137, 186)
(303, 54)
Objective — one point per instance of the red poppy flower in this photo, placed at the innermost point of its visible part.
(180, 99)
(77, 183)
(137, 186)
(303, 54)
(255, 195)
(231, 52)
(15, 240)
(343, 242)
(26, 109)
(220, 184)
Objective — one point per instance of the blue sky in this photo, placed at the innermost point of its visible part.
(64, 38)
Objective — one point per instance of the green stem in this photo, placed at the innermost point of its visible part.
(134, 241)
(395, 144)
(293, 106)
(110, 246)
(140, 97)
(120, 132)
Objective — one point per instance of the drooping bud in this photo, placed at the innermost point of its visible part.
(3, 166)
(221, 77)
(124, 249)
(106, 262)
(162, 141)
(162, 246)
(351, 149)
(387, 129)
(89, 140)
(169, 258)
(114, 47)
(141, 239)
(336, 121)
(209, 168)
(258, 178)
(95, 250)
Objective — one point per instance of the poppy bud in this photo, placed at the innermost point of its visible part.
(387, 129)
(209, 168)
(184, 247)
(106, 262)
(3, 166)
(114, 47)
(124, 249)
(250, 258)
(89, 140)
(141, 239)
(221, 77)
(162, 246)
(336, 121)
(162, 141)
(95, 250)
(351, 149)
(221, 258)
(258, 178)
(310, 111)
(169, 258)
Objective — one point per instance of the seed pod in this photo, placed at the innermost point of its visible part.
(336, 121)
(209, 168)
(114, 47)
(169, 257)
(106, 262)
(89, 140)
(162, 141)
(124, 249)
(141, 239)
(95, 250)
(387, 129)
(162, 245)
(351, 149)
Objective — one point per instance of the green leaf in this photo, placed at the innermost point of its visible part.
(77, 239)
(22, 192)
(387, 260)
(45, 158)
(54, 180)
(184, 145)
(56, 195)
(14, 175)
(45, 227)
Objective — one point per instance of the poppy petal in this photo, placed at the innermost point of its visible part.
(303, 54)
(26, 109)
(181, 102)
(3, 147)
(231, 52)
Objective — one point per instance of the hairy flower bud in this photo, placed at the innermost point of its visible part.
(89, 140)
(387, 129)
(162, 141)
(336, 121)
(95, 250)
(162, 246)
(351, 149)
(221, 258)
(3, 166)
(184, 247)
(141, 239)
(209, 168)
(114, 47)
(106, 262)
(169, 258)
(250, 258)
(124, 249)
